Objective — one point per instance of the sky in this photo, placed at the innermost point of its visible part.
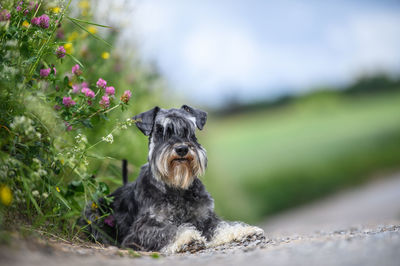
(214, 51)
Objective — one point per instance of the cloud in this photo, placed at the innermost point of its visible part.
(209, 50)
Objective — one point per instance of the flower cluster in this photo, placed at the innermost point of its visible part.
(5, 15)
(60, 52)
(67, 101)
(42, 21)
(126, 96)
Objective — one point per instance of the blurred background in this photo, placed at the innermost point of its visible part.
(303, 96)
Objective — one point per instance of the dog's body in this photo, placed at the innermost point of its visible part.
(167, 208)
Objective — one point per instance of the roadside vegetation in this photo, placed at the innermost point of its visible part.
(66, 98)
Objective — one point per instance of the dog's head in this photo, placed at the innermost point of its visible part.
(175, 156)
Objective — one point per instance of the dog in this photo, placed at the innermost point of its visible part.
(167, 208)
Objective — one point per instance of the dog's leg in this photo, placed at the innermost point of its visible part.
(187, 238)
(150, 234)
(227, 232)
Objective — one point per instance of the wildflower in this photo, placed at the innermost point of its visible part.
(105, 55)
(45, 72)
(56, 10)
(26, 12)
(55, 71)
(25, 24)
(4, 15)
(35, 193)
(88, 92)
(68, 48)
(58, 189)
(72, 36)
(35, 21)
(44, 21)
(18, 8)
(89, 222)
(67, 101)
(76, 70)
(109, 138)
(92, 29)
(84, 4)
(94, 205)
(76, 88)
(110, 221)
(57, 107)
(110, 90)
(45, 195)
(105, 101)
(126, 96)
(60, 34)
(85, 84)
(68, 127)
(5, 195)
(101, 83)
(60, 52)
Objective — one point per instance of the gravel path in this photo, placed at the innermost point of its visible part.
(318, 234)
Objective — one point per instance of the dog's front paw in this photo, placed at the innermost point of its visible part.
(187, 239)
(236, 232)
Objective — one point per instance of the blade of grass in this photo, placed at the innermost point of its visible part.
(57, 194)
(88, 22)
(93, 35)
(76, 60)
(34, 202)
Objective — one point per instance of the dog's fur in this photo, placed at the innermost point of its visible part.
(167, 208)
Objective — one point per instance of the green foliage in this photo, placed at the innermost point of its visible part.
(267, 161)
(57, 116)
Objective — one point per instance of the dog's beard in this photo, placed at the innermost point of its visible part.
(176, 171)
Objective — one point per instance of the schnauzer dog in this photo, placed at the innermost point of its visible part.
(167, 208)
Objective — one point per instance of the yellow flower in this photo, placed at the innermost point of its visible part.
(62, 161)
(58, 189)
(25, 24)
(69, 49)
(89, 222)
(74, 35)
(94, 205)
(92, 29)
(5, 195)
(84, 4)
(105, 55)
(56, 10)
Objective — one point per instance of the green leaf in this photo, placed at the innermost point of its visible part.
(88, 22)
(93, 35)
(87, 123)
(103, 188)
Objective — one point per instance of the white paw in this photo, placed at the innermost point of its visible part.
(187, 239)
(235, 232)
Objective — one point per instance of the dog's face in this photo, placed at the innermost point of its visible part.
(175, 156)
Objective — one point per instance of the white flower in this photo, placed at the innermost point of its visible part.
(45, 195)
(35, 193)
(109, 138)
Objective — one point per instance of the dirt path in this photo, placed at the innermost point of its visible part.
(357, 227)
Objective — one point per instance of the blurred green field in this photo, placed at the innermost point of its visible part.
(265, 161)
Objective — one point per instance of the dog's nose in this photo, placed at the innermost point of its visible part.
(182, 150)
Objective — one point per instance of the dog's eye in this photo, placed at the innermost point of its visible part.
(186, 109)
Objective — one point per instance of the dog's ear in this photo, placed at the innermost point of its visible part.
(199, 115)
(145, 120)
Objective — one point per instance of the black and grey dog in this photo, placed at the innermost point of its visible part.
(167, 208)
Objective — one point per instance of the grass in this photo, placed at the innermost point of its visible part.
(266, 161)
